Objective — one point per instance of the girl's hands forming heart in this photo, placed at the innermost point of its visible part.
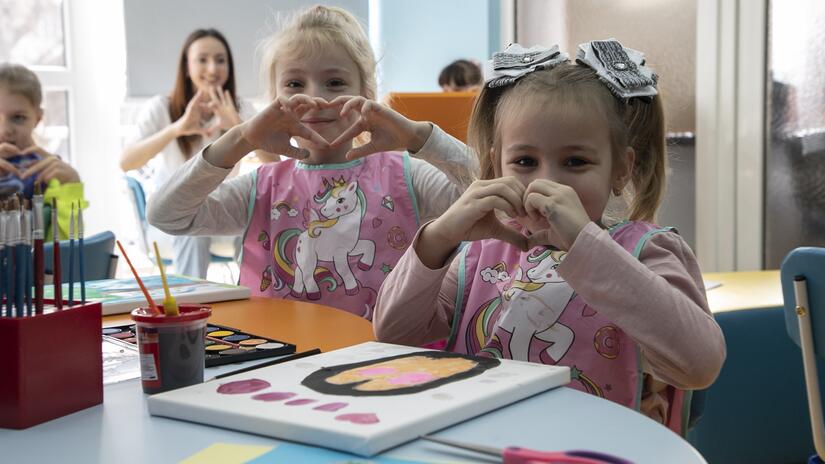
(388, 129)
(271, 129)
(562, 209)
(473, 217)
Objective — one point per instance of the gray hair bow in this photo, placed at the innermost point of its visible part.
(622, 69)
(516, 62)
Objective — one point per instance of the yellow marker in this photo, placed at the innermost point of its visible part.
(170, 306)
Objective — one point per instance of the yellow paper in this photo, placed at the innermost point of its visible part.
(227, 453)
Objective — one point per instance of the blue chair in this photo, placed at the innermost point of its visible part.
(803, 289)
(98, 260)
(139, 204)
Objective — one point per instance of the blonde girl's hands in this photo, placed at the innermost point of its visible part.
(191, 121)
(223, 107)
(560, 205)
(272, 128)
(472, 216)
(388, 129)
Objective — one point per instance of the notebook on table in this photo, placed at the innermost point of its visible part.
(123, 295)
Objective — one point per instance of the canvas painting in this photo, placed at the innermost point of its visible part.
(362, 399)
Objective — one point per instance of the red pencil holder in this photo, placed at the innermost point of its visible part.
(52, 365)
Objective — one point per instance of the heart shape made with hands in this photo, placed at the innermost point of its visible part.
(517, 236)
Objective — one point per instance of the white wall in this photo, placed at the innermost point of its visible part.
(156, 29)
(415, 40)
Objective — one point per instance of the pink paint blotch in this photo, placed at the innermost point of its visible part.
(378, 371)
(411, 378)
(273, 396)
(243, 386)
(331, 407)
(359, 418)
(299, 402)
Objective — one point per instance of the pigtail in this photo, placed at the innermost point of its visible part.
(645, 122)
(482, 129)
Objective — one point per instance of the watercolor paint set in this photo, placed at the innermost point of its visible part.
(223, 345)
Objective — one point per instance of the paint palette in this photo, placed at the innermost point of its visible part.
(224, 345)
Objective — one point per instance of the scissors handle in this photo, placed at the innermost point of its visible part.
(516, 455)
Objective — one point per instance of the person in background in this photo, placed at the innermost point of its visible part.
(203, 105)
(23, 162)
(460, 76)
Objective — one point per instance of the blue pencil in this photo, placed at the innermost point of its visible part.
(80, 251)
(71, 257)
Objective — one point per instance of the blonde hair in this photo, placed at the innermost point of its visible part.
(19, 80)
(315, 29)
(637, 124)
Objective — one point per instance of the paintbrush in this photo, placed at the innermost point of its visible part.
(152, 308)
(284, 359)
(58, 285)
(26, 236)
(19, 257)
(80, 252)
(170, 306)
(71, 256)
(3, 262)
(37, 236)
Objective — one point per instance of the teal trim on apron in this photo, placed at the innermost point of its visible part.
(459, 295)
(410, 190)
(637, 251)
(317, 167)
(253, 194)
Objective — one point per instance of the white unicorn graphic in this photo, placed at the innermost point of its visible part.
(534, 307)
(333, 239)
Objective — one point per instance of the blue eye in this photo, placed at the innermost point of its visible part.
(294, 84)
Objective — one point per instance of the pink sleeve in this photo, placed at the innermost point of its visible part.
(658, 299)
(415, 303)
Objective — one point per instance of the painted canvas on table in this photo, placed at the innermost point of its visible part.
(363, 399)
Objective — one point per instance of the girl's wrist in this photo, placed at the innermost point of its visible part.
(434, 246)
(420, 134)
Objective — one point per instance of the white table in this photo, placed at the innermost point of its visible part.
(121, 431)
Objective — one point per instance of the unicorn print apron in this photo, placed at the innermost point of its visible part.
(515, 305)
(328, 233)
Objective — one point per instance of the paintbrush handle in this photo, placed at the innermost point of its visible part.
(71, 271)
(80, 277)
(152, 307)
(58, 284)
(38, 275)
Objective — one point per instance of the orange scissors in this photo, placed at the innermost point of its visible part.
(518, 455)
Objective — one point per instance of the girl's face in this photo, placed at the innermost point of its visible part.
(325, 74)
(565, 146)
(18, 118)
(207, 63)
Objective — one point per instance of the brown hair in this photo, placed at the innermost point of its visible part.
(460, 73)
(19, 80)
(637, 123)
(184, 89)
(316, 28)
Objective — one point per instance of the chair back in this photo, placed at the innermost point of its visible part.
(448, 110)
(98, 260)
(803, 291)
(138, 198)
